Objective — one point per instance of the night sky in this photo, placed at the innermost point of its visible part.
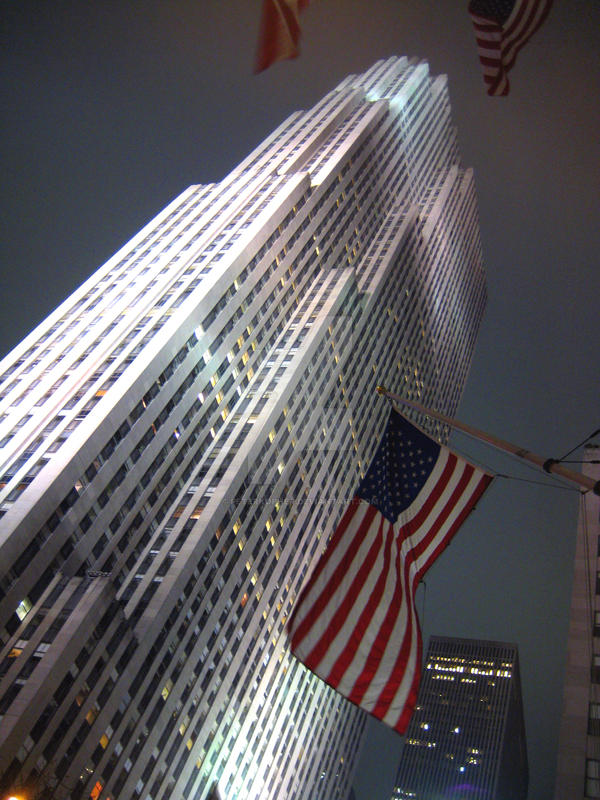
(111, 109)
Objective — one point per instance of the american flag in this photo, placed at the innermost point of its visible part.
(279, 35)
(355, 623)
(502, 27)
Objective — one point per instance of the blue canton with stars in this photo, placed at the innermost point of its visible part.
(404, 460)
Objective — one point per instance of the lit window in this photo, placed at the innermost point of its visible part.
(23, 608)
(96, 791)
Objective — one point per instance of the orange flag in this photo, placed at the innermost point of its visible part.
(279, 35)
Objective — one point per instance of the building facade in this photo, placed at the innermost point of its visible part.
(466, 739)
(578, 762)
(180, 437)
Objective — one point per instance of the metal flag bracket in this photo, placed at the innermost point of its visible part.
(549, 465)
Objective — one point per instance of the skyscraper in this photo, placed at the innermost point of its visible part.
(578, 762)
(466, 738)
(180, 437)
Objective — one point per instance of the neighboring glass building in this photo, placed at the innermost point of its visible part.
(466, 738)
(180, 437)
(578, 762)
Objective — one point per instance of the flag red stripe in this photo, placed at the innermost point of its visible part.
(412, 526)
(387, 627)
(388, 692)
(346, 606)
(526, 34)
(387, 695)
(280, 31)
(349, 652)
(338, 536)
(444, 512)
(320, 603)
(411, 699)
(479, 490)
(362, 682)
(526, 17)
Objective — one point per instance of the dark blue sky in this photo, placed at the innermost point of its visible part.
(111, 109)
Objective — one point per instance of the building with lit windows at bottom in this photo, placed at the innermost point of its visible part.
(578, 761)
(181, 436)
(466, 739)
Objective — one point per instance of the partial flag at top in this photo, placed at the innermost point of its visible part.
(279, 35)
(355, 623)
(502, 27)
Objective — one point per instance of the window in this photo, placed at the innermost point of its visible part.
(23, 608)
(594, 719)
(592, 777)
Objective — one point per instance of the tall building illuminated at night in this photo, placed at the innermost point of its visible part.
(466, 738)
(180, 437)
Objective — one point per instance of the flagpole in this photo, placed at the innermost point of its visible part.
(549, 465)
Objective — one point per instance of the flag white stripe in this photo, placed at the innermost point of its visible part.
(438, 507)
(356, 666)
(339, 553)
(340, 641)
(325, 619)
(382, 675)
(428, 487)
(335, 558)
(388, 661)
(464, 501)
(386, 666)
(394, 712)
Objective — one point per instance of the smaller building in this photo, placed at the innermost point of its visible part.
(466, 739)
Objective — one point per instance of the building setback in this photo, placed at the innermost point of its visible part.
(180, 437)
(466, 739)
(578, 763)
